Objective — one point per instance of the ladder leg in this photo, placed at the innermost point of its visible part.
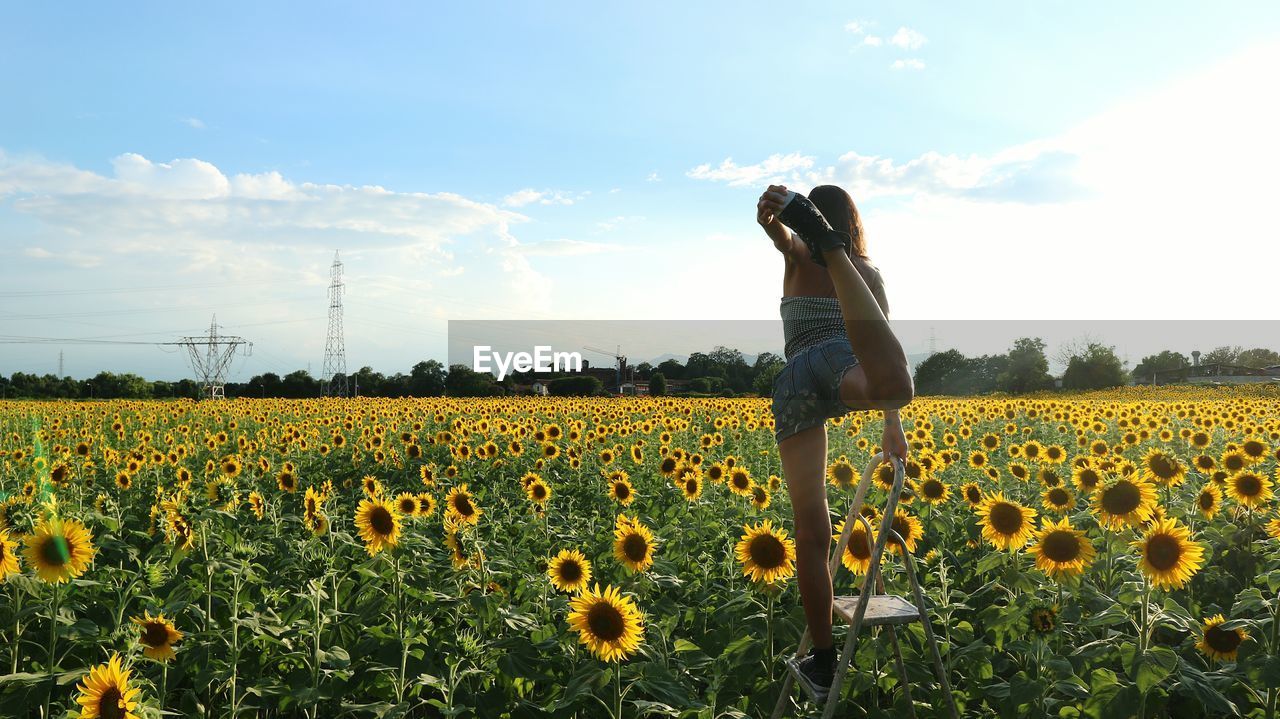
(784, 696)
(938, 668)
(902, 671)
(842, 668)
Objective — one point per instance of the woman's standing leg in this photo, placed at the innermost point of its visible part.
(804, 466)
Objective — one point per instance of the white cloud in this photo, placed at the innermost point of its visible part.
(615, 222)
(771, 169)
(193, 122)
(187, 219)
(653, 177)
(528, 196)
(873, 40)
(73, 258)
(908, 39)
(908, 64)
(855, 27)
(564, 248)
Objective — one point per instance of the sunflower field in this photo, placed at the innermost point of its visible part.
(1103, 555)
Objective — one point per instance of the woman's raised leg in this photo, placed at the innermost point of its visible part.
(882, 377)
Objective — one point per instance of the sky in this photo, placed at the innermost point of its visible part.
(1013, 162)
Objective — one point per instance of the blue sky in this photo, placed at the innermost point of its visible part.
(601, 160)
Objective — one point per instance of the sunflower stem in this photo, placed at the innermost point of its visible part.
(617, 691)
(404, 652)
(164, 683)
(17, 630)
(53, 643)
(1143, 635)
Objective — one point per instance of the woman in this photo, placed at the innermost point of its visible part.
(841, 356)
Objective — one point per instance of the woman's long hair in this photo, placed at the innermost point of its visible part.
(837, 206)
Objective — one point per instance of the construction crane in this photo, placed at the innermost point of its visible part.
(620, 359)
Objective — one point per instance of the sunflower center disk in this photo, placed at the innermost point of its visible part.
(1163, 552)
(380, 520)
(1121, 499)
(55, 551)
(1221, 640)
(109, 704)
(570, 572)
(1006, 518)
(635, 547)
(1061, 546)
(155, 635)
(606, 622)
(767, 552)
(1248, 485)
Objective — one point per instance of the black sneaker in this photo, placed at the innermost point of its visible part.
(814, 679)
(802, 216)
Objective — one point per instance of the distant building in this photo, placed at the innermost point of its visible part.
(1216, 373)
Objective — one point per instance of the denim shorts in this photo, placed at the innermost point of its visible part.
(806, 393)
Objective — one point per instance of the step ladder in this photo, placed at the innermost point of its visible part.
(872, 608)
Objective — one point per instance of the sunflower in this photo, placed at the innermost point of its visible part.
(1127, 501)
(633, 545)
(1169, 557)
(1209, 501)
(426, 504)
(1163, 469)
(105, 692)
(287, 481)
(371, 487)
(933, 490)
(908, 527)
(1005, 523)
(407, 504)
(59, 549)
(608, 623)
(760, 497)
(740, 482)
(972, 493)
(462, 505)
(158, 636)
(766, 554)
(379, 525)
(691, 486)
(1043, 620)
(621, 491)
(1233, 460)
(1249, 488)
(1273, 528)
(538, 492)
(257, 504)
(1086, 478)
(857, 553)
(1255, 450)
(1058, 499)
(1218, 643)
(1060, 550)
(8, 556)
(842, 474)
(570, 571)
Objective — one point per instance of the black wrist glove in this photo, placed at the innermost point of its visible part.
(807, 221)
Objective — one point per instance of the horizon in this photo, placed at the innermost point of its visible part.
(557, 180)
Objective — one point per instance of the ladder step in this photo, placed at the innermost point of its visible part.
(881, 609)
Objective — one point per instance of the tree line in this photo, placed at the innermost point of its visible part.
(721, 372)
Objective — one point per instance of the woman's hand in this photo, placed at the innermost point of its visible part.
(894, 442)
(771, 203)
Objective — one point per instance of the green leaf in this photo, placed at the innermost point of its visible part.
(1153, 667)
(684, 645)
